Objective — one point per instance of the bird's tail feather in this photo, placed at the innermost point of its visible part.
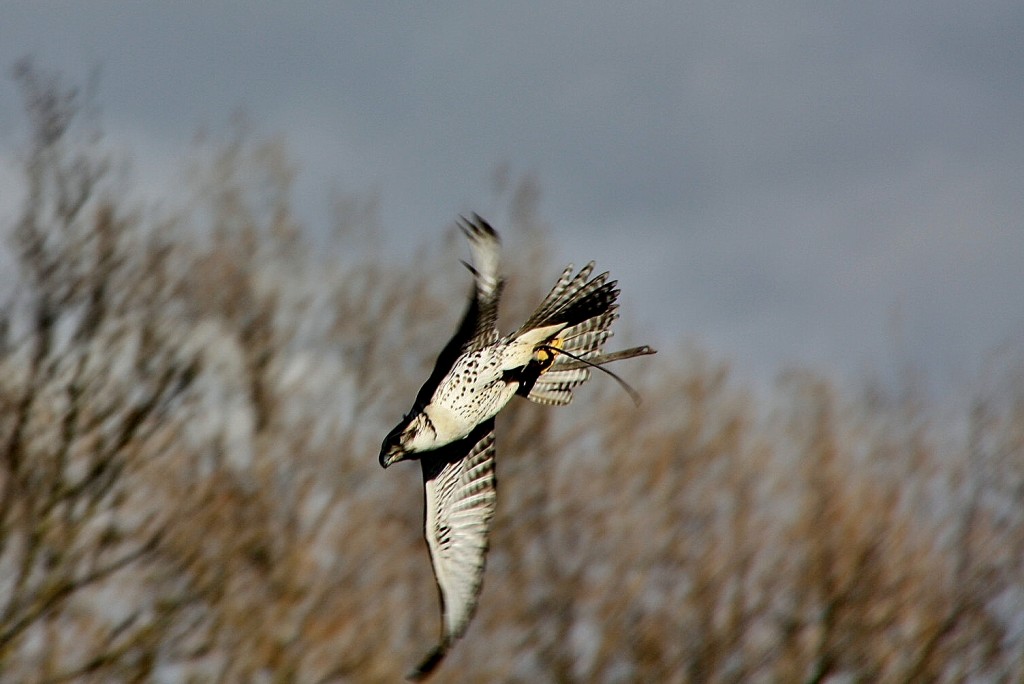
(588, 308)
(574, 300)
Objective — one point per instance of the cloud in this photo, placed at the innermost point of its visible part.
(777, 178)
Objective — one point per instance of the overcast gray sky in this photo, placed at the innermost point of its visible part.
(824, 184)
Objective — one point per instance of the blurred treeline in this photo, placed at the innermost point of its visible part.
(191, 404)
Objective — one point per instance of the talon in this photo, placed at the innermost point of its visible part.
(545, 354)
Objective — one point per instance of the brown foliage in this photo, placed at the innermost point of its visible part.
(189, 488)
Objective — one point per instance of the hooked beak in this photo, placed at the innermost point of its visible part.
(389, 455)
(391, 449)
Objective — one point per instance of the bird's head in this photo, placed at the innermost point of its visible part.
(409, 437)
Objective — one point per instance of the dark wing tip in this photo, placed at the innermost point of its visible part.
(428, 664)
(476, 225)
(483, 225)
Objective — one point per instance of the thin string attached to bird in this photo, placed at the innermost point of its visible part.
(599, 364)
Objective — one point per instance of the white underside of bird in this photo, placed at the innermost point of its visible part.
(478, 387)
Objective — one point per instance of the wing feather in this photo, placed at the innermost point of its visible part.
(459, 502)
(479, 325)
(485, 246)
(565, 290)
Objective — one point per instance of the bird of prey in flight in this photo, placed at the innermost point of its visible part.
(450, 428)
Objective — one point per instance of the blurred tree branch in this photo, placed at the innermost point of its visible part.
(190, 408)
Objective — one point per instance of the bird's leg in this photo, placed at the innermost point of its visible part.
(526, 376)
(544, 354)
(634, 395)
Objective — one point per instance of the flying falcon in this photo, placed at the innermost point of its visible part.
(450, 428)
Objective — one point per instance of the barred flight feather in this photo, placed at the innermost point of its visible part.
(459, 502)
(560, 295)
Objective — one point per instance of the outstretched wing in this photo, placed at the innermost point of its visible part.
(479, 324)
(459, 486)
(486, 269)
